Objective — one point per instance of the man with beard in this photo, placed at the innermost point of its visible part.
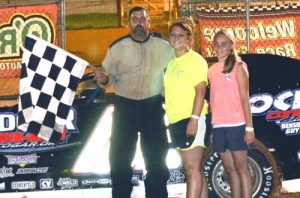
(135, 64)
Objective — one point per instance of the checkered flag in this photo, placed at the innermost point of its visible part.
(49, 78)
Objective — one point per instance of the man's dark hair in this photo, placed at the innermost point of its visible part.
(135, 9)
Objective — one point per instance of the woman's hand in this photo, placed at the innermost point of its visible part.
(192, 127)
(249, 137)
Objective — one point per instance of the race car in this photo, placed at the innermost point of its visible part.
(80, 159)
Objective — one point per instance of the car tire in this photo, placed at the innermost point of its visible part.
(265, 174)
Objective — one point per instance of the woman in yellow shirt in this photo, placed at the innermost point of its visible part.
(185, 86)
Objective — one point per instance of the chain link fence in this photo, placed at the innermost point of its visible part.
(259, 26)
(266, 27)
(18, 19)
(49, 19)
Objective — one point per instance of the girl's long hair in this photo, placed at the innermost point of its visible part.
(233, 57)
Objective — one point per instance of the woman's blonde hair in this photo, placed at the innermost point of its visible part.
(233, 57)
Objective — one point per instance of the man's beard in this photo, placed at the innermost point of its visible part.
(139, 31)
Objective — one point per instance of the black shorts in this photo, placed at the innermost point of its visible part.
(178, 134)
(229, 138)
(201, 138)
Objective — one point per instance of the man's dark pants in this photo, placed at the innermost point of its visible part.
(129, 118)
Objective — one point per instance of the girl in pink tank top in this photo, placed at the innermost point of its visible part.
(231, 115)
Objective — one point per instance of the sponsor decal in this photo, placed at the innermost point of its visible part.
(21, 160)
(18, 21)
(95, 182)
(273, 23)
(17, 28)
(268, 182)
(14, 141)
(218, 181)
(176, 177)
(283, 109)
(291, 128)
(209, 167)
(6, 172)
(135, 179)
(23, 185)
(46, 183)
(67, 183)
(2, 186)
(36, 170)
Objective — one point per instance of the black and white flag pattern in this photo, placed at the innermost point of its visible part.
(49, 79)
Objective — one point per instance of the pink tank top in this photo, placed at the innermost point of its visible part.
(225, 100)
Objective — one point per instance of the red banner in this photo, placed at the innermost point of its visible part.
(272, 30)
(18, 21)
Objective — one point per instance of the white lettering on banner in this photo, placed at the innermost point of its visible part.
(288, 49)
(10, 65)
(279, 29)
(283, 29)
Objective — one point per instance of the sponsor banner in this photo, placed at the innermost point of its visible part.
(18, 21)
(273, 30)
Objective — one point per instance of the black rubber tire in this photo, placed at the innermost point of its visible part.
(265, 174)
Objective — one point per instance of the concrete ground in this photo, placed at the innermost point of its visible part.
(175, 191)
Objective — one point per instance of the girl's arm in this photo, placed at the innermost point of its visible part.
(243, 83)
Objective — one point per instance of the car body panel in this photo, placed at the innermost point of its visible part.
(80, 160)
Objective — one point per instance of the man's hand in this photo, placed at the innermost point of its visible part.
(100, 75)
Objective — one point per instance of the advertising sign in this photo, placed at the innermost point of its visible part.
(273, 30)
(18, 21)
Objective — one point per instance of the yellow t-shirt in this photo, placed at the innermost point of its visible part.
(181, 77)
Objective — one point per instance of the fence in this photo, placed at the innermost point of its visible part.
(268, 27)
(259, 26)
(43, 19)
(50, 18)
